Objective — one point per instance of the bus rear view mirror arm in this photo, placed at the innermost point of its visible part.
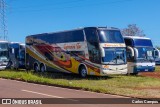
(102, 52)
(136, 52)
(131, 49)
(156, 53)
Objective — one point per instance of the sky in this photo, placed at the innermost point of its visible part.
(27, 17)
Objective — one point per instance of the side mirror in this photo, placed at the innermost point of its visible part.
(132, 51)
(12, 50)
(102, 52)
(136, 52)
(156, 53)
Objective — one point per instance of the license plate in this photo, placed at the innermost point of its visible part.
(146, 69)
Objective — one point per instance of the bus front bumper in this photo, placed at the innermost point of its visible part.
(114, 69)
(143, 69)
(2, 67)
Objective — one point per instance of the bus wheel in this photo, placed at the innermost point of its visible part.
(11, 66)
(82, 71)
(42, 68)
(134, 74)
(36, 69)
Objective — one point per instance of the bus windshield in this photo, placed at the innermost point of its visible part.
(114, 56)
(143, 42)
(110, 36)
(3, 55)
(4, 46)
(145, 54)
(4, 52)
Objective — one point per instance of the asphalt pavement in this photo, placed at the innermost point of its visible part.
(17, 89)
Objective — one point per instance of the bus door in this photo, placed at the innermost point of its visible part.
(93, 45)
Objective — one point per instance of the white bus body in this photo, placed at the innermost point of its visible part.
(140, 54)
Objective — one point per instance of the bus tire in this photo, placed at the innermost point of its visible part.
(82, 71)
(134, 74)
(12, 66)
(42, 68)
(9, 64)
(36, 68)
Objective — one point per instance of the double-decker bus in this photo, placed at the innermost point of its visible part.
(4, 54)
(85, 51)
(16, 55)
(140, 54)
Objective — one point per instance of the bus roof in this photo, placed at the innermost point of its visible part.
(22, 44)
(136, 37)
(3, 41)
(81, 28)
(17, 42)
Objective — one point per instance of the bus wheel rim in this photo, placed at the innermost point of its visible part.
(83, 72)
(36, 68)
(42, 69)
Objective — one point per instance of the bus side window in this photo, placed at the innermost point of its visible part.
(93, 45)
(128, 42)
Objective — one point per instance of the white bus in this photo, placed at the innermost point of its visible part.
(86, 51)
(4, 54)
(140, 54)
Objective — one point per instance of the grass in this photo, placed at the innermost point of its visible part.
(157, 69)
(133, 86)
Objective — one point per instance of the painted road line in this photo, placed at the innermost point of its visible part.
(41, 94)
(53, 96)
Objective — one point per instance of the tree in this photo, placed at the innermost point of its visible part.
(158, 47)
(132, 30)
